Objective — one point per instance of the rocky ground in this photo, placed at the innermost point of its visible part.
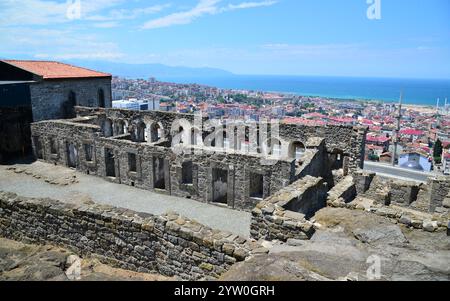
(24, 262)
(347, 246)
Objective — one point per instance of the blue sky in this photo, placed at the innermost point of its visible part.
(288, 37)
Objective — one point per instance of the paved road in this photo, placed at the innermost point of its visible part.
(123, 196)
(397, 172)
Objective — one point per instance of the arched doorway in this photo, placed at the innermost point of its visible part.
(296, 150)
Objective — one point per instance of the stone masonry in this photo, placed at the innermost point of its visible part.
(168, 244)
(137, 149)
(284, 215)
(49, 99)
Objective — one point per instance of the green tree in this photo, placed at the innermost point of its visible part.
(437, 149)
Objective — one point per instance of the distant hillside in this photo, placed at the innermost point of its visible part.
(150, 70)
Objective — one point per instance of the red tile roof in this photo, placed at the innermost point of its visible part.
(411, 132)
(55, 70)
(381, 139)
(297, 120)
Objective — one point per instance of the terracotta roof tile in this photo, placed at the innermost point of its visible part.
(55, 70)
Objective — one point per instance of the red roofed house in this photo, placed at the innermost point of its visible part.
(411, 134)
(54, 88)
(32, 91)
(378, 141)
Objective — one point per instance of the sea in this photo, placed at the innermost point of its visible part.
(415, 91)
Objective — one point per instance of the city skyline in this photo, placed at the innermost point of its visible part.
(411, 39)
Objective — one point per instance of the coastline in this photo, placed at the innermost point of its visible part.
(417, 93)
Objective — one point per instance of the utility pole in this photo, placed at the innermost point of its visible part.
(397, 130)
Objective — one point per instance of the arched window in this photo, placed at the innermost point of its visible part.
(108, 128)
(337, 159)
(296, 150)
(101, 98)
(120, 127)
(155, 132)
(141, 132)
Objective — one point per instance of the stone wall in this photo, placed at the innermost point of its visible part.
(350, 140)
(363, 180)
(313, 162)
(62, 134)
(427, 197)
(347, 139)
(119, 146)
(86, 132)
(284, 215)
(48, 97)
(168, 244)
(412, 219)
(344, 191)
(440, 188)
(404, 193)
(240, 167)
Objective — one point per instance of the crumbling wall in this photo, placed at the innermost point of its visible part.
(440, 189)
(427, 197)
(275, 218)
(82, 146)
(404, 193)
(350, 140)
(168, 244)
(313, 162)
(363, 181)
(344, 191)
(62, 134)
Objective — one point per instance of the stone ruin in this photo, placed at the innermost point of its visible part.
(140, 149)
(281, 173)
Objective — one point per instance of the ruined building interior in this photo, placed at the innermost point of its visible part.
(135, 148)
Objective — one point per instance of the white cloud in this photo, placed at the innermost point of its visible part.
(57, 44)
(126, 14)
(35, 12)
(245, 5)
(203, 7)
(40, 12)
